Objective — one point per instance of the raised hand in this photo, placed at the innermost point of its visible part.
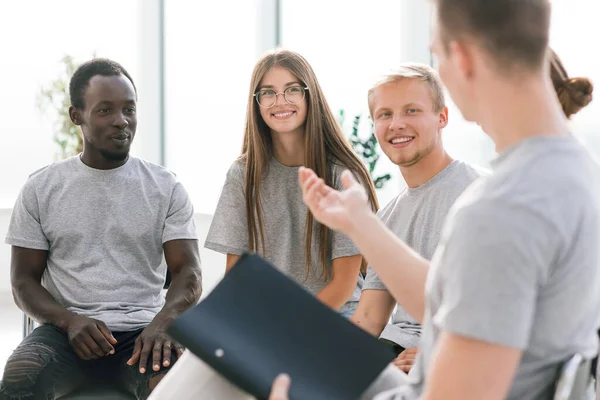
(341, 211)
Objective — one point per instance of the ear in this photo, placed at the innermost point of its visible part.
(462, 58)
(443, 118)
(75, 115)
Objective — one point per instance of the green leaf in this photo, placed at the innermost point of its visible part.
(368, 149)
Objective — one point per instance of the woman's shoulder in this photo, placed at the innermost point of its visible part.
(237, 170)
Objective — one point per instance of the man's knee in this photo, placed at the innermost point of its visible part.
(23, 370)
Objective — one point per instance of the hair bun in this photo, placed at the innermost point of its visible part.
(575, 94)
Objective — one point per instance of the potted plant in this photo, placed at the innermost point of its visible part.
(54, 100)
(367, 149)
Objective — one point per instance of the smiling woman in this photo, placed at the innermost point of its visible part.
(282, 107)
(261, 209)
(289, 124)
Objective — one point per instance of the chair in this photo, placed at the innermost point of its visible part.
(574, 379)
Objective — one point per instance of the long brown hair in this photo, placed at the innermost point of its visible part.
(325, 144)
(573, 93)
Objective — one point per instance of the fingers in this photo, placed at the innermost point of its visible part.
(83, 351)
(301, 176)
(137, 351)
(309, 183)
(157, 354)
(405, 360)
(348, 179)
(307, 178)
(100, 339)
(167, 354)
(315, 190)
(144, 355)
(89, 339)
(281, 387)
(106, 333)
(312, 192)
(304, 174)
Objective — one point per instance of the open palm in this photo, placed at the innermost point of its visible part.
(338, 210)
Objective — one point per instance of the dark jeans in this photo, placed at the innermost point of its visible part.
(44, 366)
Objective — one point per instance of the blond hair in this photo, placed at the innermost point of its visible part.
(325, 145)
(422, 72)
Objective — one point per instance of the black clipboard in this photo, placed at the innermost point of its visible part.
(257, 323)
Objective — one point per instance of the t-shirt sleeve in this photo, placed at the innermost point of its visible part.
(228, 231)
(494, 259)
(372, 281)
(341, 245)
(25, 228)
(179, 223)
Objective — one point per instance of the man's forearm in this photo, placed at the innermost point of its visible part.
(33, 299)
(399, 267)
(184, 292)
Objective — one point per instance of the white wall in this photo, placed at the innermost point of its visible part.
(56, 28)
(4, 254)
(213, 264)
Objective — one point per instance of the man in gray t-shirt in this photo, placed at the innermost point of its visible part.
(418, 213)
(511, 293)
(92, 238)
(518, 263)
(514, 279)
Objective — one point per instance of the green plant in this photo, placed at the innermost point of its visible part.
(54, 99)
(366, 149)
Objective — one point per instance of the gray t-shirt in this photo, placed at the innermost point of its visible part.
(104, 231)
(284, 222)
(417, 216)
(519, 264)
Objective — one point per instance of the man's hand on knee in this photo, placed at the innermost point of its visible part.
(406, 359)
(154, 341)
(90, 338)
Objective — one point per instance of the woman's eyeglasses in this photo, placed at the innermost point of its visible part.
(293, 95)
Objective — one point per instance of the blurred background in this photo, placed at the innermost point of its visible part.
(192, 60)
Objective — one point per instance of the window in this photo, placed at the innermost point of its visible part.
(574, 27)
(348, 44)
(210, 52)
(63, 27)
(573, 23)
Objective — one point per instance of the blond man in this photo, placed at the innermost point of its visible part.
(409, 114)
